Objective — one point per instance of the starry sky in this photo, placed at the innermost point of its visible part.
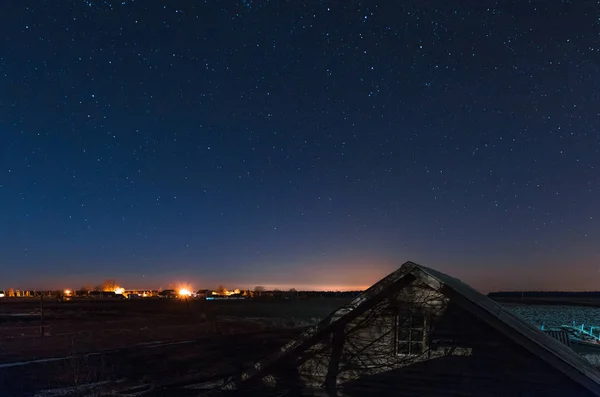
(315, 144)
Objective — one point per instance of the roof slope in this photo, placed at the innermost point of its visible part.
(559, 356)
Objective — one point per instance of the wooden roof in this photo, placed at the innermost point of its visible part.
(560, 335)
(555, 353)
(550, 350)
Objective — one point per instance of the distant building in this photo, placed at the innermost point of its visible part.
(139, 293)
(168, 294)
(419, 332)
(102, 294)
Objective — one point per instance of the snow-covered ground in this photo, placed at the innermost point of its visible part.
(555, 315)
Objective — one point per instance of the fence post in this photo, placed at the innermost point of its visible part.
(42, 315)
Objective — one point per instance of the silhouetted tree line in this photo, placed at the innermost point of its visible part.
(545, 294)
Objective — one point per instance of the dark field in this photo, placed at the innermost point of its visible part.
(156, 343)
(566, 301)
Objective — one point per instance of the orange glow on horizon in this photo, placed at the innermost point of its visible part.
(324, 288)
(228, 292)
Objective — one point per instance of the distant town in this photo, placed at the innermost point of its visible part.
(110, 289)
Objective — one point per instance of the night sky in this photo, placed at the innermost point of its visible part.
(315, 144)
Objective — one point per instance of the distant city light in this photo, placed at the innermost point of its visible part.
(185, 292)
(227, 292)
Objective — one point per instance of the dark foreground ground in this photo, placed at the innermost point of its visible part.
(154, 345)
